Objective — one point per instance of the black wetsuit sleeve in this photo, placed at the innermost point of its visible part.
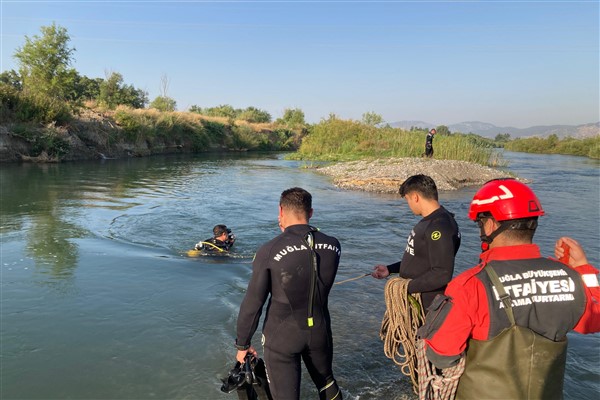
(440, 248)
(394, 268)
(256, 295)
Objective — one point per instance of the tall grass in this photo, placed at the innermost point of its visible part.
(343, 140)
(204, 132)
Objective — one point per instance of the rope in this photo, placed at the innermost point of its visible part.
(210, 244)
(403, 316)
(433, 386)
(352, 279)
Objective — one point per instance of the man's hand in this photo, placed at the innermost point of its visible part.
(380, 271)
(241, 354)
(576, 254)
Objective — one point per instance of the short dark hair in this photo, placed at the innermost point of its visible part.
(422, 184)
(297, 200)
(218, 230)
(520, 235)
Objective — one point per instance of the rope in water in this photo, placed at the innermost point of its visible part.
(433, 386)
(403, 316)
(352, 279)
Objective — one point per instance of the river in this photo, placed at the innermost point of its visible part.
(99, 301)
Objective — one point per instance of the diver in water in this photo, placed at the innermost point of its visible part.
(222, 241)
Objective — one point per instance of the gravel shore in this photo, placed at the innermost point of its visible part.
(386, 175)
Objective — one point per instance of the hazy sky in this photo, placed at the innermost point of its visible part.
(510, 63)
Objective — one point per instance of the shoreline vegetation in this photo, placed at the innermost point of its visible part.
(51, 113)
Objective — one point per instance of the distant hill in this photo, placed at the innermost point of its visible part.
(490, 130)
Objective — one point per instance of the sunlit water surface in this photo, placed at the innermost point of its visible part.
(99, 300)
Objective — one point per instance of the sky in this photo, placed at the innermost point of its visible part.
(508, 63)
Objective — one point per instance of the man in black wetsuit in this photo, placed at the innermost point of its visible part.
(221, 241)
(428, 259)
(295, 271)
(429, 143)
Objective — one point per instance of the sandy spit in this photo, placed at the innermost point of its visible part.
(386, 175)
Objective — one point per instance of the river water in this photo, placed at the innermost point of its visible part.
(99, 300)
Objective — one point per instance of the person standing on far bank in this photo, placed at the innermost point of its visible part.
(428, 258)
(295, 271)
(429, 143)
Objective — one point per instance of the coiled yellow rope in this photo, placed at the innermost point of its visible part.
(403, 316)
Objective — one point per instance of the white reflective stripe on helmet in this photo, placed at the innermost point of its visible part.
(507, 195)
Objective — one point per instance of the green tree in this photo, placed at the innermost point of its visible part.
(44, 62)
(252, 114)
(502, 138)
(109, 90)
(442, 130)
(292, 117)
(164, 103)
(196, 109)
(552, 141)
(372, 118)
(224, 110)
(87, 88)
(132, 97)
(11, 78)
(114, 92)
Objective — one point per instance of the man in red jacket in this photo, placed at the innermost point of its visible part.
(510, 314)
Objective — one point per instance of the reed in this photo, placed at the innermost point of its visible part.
(344, 140)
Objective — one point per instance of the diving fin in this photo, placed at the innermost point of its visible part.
(249, 380)
(235, 379)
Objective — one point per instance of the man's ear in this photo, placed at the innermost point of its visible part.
(415, 197)
(490, 226)
(310, 213)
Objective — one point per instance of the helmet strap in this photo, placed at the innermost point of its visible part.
(486, 240)
(517, 224)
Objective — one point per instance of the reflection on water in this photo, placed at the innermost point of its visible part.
(49, 242)
(95, 281)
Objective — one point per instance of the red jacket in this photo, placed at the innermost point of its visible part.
(548, 297)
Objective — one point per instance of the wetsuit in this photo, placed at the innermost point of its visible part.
(429, 255)
(283, 268)
(215, 246)
(547, 297)
(429, 145)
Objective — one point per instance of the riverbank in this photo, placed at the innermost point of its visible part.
(387, 174)
(126, 132)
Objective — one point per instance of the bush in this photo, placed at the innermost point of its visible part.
(243, 138)
(50, 140)
(21, 107)
(9, 100)
(587, 147)
(129, 123)
(292, 118)
(254, 115)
